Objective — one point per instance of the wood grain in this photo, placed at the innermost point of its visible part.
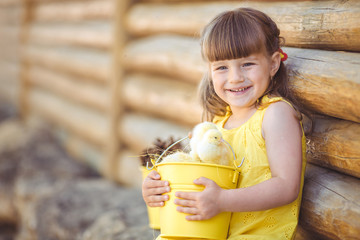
(335, 144)
(326, 82)
(73, 11)
(163, 97)
(80, 91)
(139, 131)
(84, 122)
(98, 37)
(90, 65)
(315, 24)
(330, 205)
(170, 55)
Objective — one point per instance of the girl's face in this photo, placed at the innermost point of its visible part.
(240, 82)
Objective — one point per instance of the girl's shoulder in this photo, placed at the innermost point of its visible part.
(274, 105)
(280, 106)
(280, 116)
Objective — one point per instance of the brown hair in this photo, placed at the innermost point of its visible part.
(236, 34)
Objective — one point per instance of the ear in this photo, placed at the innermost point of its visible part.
(275, 63)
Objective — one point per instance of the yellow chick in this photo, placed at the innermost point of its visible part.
(212, 149)
(197, 136)
(178, 157)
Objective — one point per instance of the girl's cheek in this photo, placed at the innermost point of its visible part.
(219, 76)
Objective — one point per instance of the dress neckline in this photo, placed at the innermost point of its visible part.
(265, 102)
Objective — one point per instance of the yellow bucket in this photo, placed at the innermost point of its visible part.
(153, 212)
(181, 176)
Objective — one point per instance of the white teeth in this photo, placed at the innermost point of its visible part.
(238, 90)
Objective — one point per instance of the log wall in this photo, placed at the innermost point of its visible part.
(67, 73)
(10, 28)
(112, 76)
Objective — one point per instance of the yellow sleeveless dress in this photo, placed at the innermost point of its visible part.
(247, 141)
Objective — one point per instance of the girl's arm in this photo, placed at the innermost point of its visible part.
(282, 133)
(153, 188)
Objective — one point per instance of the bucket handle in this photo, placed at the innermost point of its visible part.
(242, 161)
(162, 154)
(236, 173)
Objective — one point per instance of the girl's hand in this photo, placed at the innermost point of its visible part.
(201, 205)
(153, 188)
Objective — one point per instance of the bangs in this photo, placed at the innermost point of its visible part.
(230, 36)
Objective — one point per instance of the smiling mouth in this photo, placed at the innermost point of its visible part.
(239, 89)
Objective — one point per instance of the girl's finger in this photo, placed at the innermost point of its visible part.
(187, 195)
(187, 210)
(156, 204)
(154, 175)
(157, 198)
(184, 202)
(148, 183)
(194, 217)
(156, 191)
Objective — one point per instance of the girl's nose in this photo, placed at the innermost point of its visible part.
(236, 75)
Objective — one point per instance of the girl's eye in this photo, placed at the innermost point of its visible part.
(221, 68)
(248, 64)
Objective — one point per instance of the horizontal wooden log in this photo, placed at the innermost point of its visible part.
(10, 89)
(11, 94)
(50, 1)
(167, 1)
(11, 15)
(8, 3)
(162, 97)
(81, 149)
(70, 11)
(128, 169)
(10, 53)
(335, 144)
(83, 36)
(10, 69)
(9, 82)
(9, 43)
(47, 1)
(8, 32)
(315, 24)
(82, 92)
(91, 65)
(327, 82)
(175, 56)
(306, 234)
(139, 131)
(330, 205)
(10, 48)
(86, 123)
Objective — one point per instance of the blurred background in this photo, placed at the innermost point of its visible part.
(95, 82)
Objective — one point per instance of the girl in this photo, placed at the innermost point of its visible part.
(246, 94)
